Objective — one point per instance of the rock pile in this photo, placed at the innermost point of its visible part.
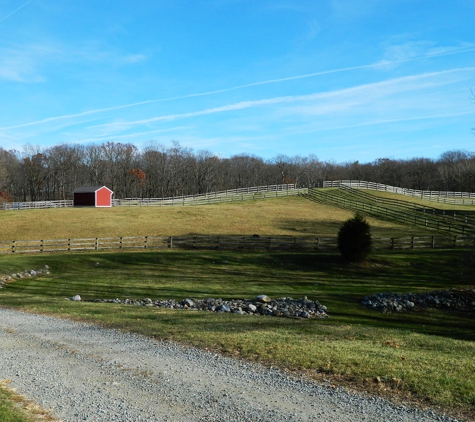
(10, 278)
(261, 305)
(455, 299)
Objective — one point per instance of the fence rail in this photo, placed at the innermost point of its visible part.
(242, 243)
(36, 205)
(234, 195)
(396, 211)
(230, 195)
(447, 197)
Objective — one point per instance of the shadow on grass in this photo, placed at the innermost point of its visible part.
(231, 275)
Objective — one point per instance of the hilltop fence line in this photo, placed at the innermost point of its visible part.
(242, 243)
(446, 197)
(395, 210)
(229, 195)
(257, 192)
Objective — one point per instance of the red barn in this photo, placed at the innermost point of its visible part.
(92, 196)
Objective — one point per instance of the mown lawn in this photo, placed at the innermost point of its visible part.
(424, 356)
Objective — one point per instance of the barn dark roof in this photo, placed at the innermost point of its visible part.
(88, 189)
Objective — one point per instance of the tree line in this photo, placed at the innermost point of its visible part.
(156, 171)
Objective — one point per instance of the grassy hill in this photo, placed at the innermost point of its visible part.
(293, 216)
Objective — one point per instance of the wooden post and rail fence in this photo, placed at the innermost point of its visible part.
(235, 243)
(229, 195)
(446, 197)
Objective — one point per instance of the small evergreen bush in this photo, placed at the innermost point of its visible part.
(354, 239)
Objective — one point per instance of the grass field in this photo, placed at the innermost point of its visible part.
(294, 216)
(423, 356)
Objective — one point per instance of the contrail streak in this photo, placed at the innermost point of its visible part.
(16, 10)
(201, 94)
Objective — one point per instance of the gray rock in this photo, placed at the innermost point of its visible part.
(251, 308)
(223, 308)
(456, 299)
(76, 298)
(188, 303)
(284, 307)
(263, 299)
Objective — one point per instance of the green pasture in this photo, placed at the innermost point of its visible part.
(294, 216)
(423, 356)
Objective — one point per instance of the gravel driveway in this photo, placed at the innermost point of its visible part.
(88, 373)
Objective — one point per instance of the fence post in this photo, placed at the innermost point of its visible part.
(170, 242)
(41, 245)
(412, 242)
(455, 241)
(318, 243)
(433, 242)
(146, 242)
(14, 246)
(97, 244)
(69, 245)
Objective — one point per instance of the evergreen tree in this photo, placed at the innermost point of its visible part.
(354, 239)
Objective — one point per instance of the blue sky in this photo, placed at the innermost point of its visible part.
(344, 80)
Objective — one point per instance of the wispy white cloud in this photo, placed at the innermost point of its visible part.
(134, 58)
(76, 115)
(332, 127)
(98, 51)
(22, 63)
(399, 53)
(345, 9)
(135, 135)
(29, 62)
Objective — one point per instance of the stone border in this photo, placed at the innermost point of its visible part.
(260, 305)
(454, 299)
(10, 278)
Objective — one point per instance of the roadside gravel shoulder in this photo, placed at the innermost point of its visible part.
(83, 372)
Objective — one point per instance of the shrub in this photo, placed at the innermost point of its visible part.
(354, 239)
